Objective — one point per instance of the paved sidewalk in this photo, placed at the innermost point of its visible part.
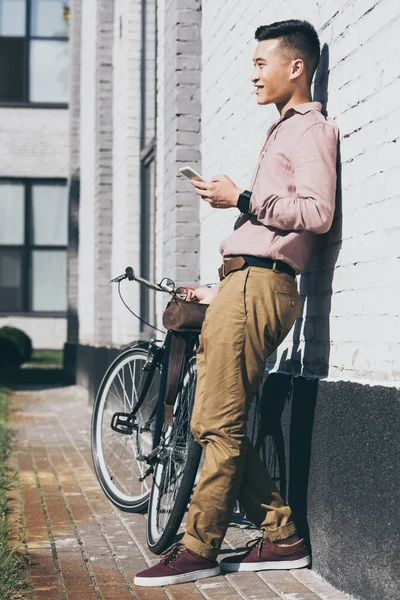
(80, 546)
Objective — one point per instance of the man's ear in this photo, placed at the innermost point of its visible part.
(297, 68)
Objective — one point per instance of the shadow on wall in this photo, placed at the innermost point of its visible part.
(279, 388)
(70, 348)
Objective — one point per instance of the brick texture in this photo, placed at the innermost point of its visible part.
(126, 163)
(33, 142)
(86, 266)
(103, 171)
(179, 119)
(78, 545)
(350, 324)
(95, 221)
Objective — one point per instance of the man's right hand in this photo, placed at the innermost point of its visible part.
(205, 295)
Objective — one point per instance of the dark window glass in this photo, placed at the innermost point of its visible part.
(11, 284)
(33, 245)
(12, 51)
(34, 59)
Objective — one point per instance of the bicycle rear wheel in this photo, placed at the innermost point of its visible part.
(118, 457)
(175, 470)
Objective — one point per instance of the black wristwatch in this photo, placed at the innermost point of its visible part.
(243, 202)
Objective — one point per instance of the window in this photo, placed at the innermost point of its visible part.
(34, 51)
(33, 245)
(147, 155)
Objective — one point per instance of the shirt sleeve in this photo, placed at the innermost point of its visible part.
(314, 166)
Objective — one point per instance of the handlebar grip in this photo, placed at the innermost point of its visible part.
(129, 273)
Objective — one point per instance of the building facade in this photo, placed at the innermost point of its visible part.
(157, 85)
(34, 94)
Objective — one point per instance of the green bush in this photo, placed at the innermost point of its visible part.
(15, 347)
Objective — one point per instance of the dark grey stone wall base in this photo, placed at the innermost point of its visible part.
(341, 475)
(91, 364)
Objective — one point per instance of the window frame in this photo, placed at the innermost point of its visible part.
(26, 103)
(29, 247)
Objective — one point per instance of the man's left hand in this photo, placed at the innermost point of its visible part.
(219, 192)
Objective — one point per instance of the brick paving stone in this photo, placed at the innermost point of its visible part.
(184, 591)
(217, 587)
(155, 593)
(46, 587)
(115, 592)
(251, 587)
(80, 546)
(284, 583)
(319, 586)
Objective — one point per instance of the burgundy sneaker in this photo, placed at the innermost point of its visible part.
(178, 565)
(264, 554)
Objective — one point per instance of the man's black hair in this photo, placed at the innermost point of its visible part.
(297, 37)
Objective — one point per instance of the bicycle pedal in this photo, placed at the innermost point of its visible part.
(123, 423)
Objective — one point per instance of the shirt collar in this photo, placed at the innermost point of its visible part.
(302, 109)
(306, 107)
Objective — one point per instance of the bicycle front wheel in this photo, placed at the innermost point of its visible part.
(175, 470)
(119, 457)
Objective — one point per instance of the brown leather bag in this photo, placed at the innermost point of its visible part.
(184, 316)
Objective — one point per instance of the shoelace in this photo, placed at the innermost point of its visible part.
(257, 543)
(173, 552)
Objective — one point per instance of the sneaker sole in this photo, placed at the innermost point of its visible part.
(171, 579)
(265, 566)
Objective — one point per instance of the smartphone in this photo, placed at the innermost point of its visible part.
(190, 173)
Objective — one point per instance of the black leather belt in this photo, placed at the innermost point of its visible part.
(238, 262)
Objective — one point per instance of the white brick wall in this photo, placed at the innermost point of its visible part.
(181, 115)
(159, 225)
(33, 142)
(357, 327)
(126, 164)
(86, 271)
(95, 219)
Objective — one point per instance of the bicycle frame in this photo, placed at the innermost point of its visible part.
(124, 423)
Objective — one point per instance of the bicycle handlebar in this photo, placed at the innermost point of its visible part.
(130, 274)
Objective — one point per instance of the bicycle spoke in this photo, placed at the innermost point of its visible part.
(176, 448)
(123, 389)
(117, 453)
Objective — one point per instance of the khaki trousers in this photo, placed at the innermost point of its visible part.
(253, 312)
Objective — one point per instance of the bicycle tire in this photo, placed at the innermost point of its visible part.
(160, 536)
(114, 454)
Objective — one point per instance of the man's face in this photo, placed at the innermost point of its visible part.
(271, 74)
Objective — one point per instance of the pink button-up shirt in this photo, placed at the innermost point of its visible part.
(293, 190)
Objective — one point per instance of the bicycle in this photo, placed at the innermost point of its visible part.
(141, 462)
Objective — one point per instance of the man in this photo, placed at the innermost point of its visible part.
(292, 198)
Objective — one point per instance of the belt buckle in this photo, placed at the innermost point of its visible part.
(274, 267)
(223, 271)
